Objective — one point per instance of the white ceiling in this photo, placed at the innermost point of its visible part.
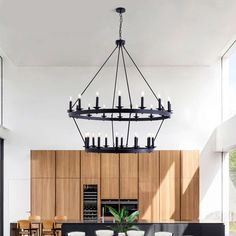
(77, 32)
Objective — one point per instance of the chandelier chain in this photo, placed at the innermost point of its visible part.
(120, 28)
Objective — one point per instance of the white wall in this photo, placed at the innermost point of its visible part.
(36, 100)
(226, 135)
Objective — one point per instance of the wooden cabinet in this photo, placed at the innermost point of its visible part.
(68, 184)
(189, 185)
(110, 176)
(42, 164)
(166, 183)
(68, 198)
(128, 176)
(67, 164)
(43, 197)
(90, 165)
(169, 185)
(149, 194)
(43, 184)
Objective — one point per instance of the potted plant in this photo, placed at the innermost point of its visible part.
(123, 221)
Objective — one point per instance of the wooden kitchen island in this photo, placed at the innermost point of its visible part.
(180, 228)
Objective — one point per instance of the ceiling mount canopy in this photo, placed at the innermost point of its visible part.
(118, 112)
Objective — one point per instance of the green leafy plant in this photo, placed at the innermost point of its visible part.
(123, 220)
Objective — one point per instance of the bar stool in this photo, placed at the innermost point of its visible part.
(104, 232)
(24, 227)
(48, 228)
(163, 234)
(58, 222)
(35, 223)
(135, 233)
(76, 233)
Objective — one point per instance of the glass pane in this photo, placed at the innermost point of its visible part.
(232, 85)
(232, 192)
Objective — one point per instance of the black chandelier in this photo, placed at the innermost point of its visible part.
(118, 112)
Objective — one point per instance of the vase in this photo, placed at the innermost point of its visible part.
(121, 234)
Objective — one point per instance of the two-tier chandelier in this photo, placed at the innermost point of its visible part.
(117, 112)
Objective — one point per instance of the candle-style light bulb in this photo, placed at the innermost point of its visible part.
(159, 102)
(119, 99)
(97, 100)
(106, 140)
(148, 140)
(99, 140)
(79, 102)
(93, 140)
(70, 104)
(117, 140)
(86, 140)
(121, 141)
(153, 140)
(135, 140)
(142, 100)
(89, 106)
(151, 107)
(169, 104)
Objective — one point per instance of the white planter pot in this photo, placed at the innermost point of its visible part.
(121, 234)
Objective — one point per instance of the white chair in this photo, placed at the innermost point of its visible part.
(135, 233)
(163, 234)
(104, 232)
(76, 233)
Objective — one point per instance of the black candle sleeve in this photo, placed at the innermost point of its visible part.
(117, 142)
(142, 102)
(169, 105)
(153, 140)
(119, 101)
(99, 142)
(148, 142)
(87, 142)
(93, 142)
(159, 104)
(105, 141)
(121, 142)
(70, 105)
(135, 142)
(97, 101)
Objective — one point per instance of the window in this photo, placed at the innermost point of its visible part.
(232, 85)
(229, 85)
(232, 191)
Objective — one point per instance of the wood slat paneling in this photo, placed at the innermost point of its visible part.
(67, 164)
(189, 185)
(128, 176)
(149, 194)
(68, 198)
(42, 164)
(43, 197)
(110, 176)
(169, 185)
(90, 165)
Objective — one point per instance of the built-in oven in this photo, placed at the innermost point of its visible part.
(130, 205)
(104, 207)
